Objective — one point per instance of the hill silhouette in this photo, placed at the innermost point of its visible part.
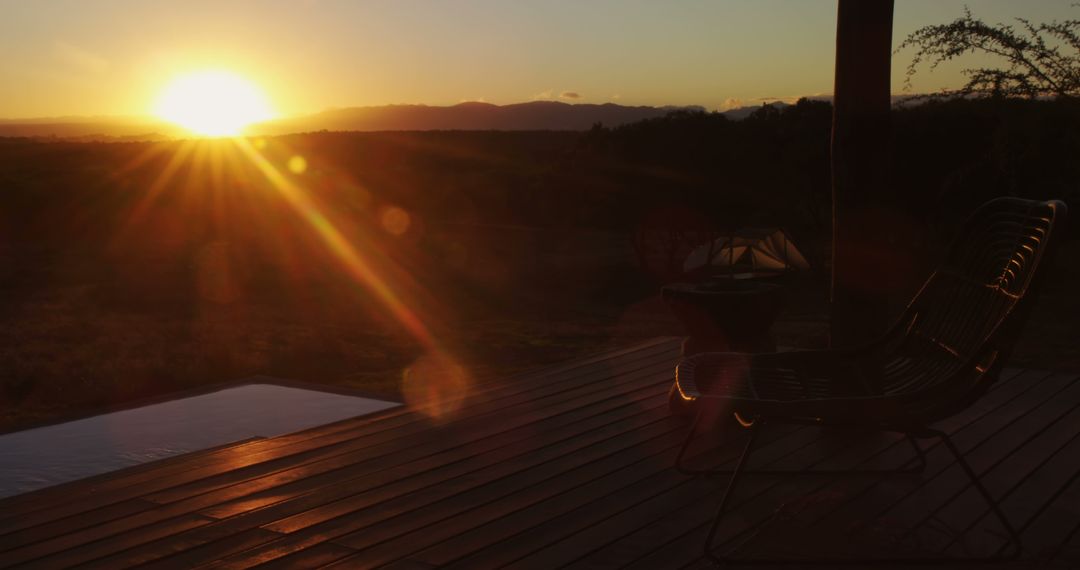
(89, 129)
(469, 116)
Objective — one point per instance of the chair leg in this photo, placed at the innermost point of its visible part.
(1013, 547)
(919, 454)
(1008, 551)
(680, 460)
(690, 433)
(735, 475)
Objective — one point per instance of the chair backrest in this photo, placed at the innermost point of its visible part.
(969, 313)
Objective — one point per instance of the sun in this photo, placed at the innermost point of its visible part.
(213, 103)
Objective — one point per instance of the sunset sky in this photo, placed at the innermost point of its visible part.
(113, 57)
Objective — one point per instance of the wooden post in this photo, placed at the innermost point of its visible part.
(863, 203)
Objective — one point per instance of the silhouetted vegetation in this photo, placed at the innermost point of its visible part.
(1037, 60)
(129, 269)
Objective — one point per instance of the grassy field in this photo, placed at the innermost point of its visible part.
(71, 346)
(90, 338)
(125, 273)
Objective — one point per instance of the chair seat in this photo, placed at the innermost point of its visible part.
(819, 385)
(780, 376)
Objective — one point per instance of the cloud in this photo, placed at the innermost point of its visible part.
(474, 100)
(789, 99)
(79, 58)
(732, 103)
(542, 95)
(570, 95)
(616, 97)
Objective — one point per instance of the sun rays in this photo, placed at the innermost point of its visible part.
(351, 258)
(256, 187)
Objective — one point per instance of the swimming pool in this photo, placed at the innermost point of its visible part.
(45, 456)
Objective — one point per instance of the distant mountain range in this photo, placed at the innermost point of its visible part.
(470, 116)
(536, 115)
(89, 128)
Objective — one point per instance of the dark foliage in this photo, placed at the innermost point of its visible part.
(1037, 60)
(950, 156)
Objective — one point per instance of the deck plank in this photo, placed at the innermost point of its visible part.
(335, 493)
(568, 465)
(990, 442)
(1025, 482)
(479, 420)
(682, 542)
(72, 550)
(334, 518)
(392, 423)
(385, 547)
(335, 497)
(895, 505)
(1068, 554)
(553, 541)
(286, 466)
(1051, 527)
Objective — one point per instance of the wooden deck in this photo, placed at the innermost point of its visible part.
(571, 465)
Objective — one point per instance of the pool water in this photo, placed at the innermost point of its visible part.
(45, 456)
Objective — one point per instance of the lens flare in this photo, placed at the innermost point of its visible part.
(395, 221)
(297, 164)
(435, 385)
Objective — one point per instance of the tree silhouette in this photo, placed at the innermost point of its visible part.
(1040, 60)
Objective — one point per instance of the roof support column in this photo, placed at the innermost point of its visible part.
(863, 203)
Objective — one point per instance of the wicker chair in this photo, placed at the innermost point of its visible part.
(943, 353)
